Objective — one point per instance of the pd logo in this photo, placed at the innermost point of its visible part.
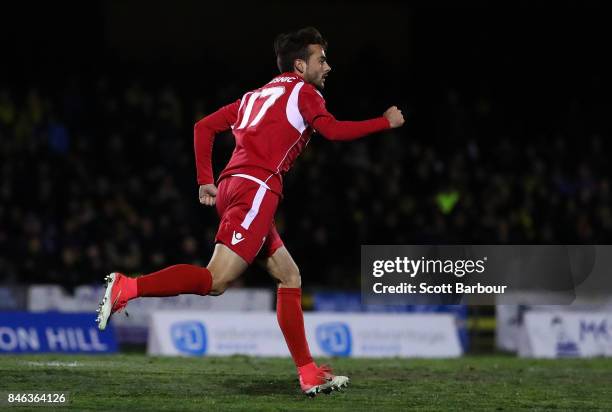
(189, 337)
(334, 338)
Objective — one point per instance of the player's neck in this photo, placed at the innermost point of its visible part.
(293, 73)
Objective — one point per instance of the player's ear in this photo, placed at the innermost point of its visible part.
(299, 65)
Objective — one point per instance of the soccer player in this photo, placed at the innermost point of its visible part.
(272, 125)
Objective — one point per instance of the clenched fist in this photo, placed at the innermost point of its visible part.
(208, 194)
(394, 116)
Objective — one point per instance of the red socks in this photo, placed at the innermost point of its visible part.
(291, 322)
(181, 279)
(175, 280)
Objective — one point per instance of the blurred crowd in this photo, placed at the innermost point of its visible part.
(96, 177)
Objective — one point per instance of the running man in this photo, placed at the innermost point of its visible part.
(272, 125)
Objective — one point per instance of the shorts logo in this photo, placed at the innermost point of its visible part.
(189, 337)
(237, 238)
(334, 338)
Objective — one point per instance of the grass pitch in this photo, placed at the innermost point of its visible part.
(141, 383)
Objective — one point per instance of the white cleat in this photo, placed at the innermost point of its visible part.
(105, 308)
(333, 383)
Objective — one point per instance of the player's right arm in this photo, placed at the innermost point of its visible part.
(312, 108)
(204, 133)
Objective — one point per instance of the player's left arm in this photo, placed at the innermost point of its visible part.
(312, 107)
(204, 132)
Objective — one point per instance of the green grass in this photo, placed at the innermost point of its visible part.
(141, 383)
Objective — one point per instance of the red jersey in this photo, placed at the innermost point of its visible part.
(272, 125)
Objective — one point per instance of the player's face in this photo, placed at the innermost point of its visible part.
(316, 66)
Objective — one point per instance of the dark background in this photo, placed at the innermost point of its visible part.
(506, 138)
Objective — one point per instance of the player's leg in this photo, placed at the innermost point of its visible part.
(281, 266)
(246, 210)
(224, 267)
(283, 269)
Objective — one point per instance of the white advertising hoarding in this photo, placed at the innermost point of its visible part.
(42, 298)
(194, 333)
(133, 329)
(566, 334)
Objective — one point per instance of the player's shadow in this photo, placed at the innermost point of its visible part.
(266, 386)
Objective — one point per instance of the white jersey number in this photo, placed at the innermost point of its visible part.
(272, 94)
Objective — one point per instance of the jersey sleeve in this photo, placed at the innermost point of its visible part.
(312, 108)
(204, 132)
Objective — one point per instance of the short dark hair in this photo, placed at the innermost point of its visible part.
(294, 45)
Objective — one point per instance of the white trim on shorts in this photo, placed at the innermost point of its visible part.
(252, 213)
(253, 179)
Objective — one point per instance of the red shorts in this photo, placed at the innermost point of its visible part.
(247, 209)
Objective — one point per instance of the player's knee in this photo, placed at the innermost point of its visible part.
(218, 287)
(217, 291)
(292, 278)
(220, 283)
